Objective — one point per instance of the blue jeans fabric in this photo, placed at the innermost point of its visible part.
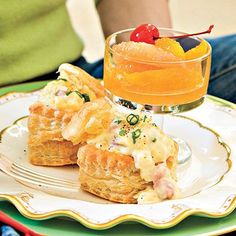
(95, 69)
(223, 70)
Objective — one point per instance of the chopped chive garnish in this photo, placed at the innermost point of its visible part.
(77, 92)
(144, 118)
(62, 79)
(117, 121)
(85, 96)
(154, 140)
(127, 104)
(122, 132)
(136, 134)
(132, 119)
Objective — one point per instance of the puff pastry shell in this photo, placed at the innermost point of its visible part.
(112, 176)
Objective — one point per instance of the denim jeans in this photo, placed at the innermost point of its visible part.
(223, 69)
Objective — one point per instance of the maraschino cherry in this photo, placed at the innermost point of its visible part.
(148, 33)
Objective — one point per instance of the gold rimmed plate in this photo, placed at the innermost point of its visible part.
(207, 182)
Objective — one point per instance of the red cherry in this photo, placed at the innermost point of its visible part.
(147, 33)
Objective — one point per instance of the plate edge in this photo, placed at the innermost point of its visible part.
(23, 210)
(124, 218)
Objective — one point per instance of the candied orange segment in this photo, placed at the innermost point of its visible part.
(135, 57)
(197, 51)
(172, 46)
(143, 51)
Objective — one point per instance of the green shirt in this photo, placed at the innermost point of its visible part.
(35, 37)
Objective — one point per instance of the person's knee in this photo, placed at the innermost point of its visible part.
(223, 71)
(224, 85)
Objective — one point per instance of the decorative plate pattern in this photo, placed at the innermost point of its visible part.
(215, 198)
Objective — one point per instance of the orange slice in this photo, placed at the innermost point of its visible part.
(143, 52)
(197, 51)
(171, 46)
(135, 57)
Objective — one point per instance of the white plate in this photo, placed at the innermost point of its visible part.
(207, 182)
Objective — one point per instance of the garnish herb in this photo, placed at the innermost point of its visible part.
(136, 134)
(132, 119)
(117, 121)
(127, 104)
(62, 79)
(77, 92)
(154, 140)
(144, 118)
(85, 96)
(122, 132)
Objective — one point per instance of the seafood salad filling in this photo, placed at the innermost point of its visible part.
(68, 93)
(136, 135)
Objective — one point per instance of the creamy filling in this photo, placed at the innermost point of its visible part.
(164, 187)
(149, 149)
(67, 93)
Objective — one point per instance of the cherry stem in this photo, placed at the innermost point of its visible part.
(188, 35)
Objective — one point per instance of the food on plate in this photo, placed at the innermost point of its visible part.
(57, 103)
(92, 119)
(126, 158)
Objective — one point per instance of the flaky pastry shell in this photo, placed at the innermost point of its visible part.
(46, 146)
(113, 176)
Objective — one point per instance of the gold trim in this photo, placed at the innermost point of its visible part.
(17, 94)
(22, 93)
(221, 101)
(219, 139)
(9, 126)
(130, 217)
